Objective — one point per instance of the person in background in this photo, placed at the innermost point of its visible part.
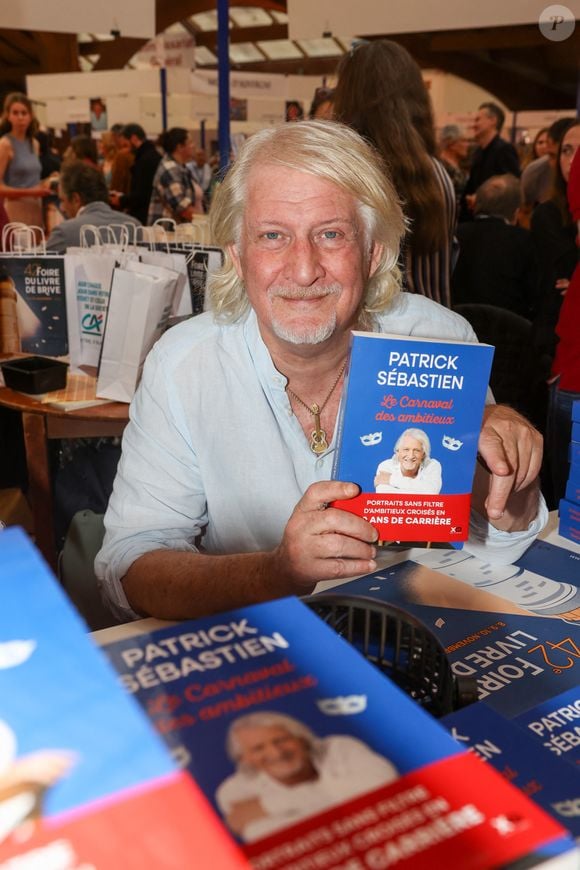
(21, 189)
(538, 176)
(174, 195)
(84, 200)
(381, 94)
(122, 162)
(201, 173)
(51, 162)
(453, 148)
(146, 159)
(322, 106)
(493, 155)
(83, 148)
(107, 150)
(497, 262)
(310, 225)
(565, 376)
(539, 145)
(554, 237)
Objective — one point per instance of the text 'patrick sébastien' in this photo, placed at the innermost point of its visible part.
(205, 649)
(436, 371)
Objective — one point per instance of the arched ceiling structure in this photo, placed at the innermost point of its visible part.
(517, 64)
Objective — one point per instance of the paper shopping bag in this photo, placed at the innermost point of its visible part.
(139, 307)
(176, 261)
(88, 275)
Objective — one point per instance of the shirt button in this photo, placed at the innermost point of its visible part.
(319, 463)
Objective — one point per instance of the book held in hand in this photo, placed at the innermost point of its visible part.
(407, 434)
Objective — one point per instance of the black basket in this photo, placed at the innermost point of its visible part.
(399, 646)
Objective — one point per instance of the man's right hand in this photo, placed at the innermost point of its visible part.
(324, 543)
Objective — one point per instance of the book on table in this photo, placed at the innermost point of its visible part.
(407, 434)
(515, 630)
(314, 758)
(84, 779)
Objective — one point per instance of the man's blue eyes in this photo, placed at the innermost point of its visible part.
(325, 236)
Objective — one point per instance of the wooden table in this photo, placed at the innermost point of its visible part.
(42, 422)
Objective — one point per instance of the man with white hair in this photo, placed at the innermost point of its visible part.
(285, 773)
(411, 468)
(223, 489)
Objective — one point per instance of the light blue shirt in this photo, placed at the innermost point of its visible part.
(213, 455)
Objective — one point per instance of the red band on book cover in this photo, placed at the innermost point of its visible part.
(413, 517)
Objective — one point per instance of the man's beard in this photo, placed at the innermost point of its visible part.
(304, 333)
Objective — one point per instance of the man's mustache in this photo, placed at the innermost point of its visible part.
(296, 292)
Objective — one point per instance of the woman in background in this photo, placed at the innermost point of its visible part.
(538, 148)
(381, 94)
(107, 149)
(20, 169)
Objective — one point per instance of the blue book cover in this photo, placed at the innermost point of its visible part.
(521, 649)
(82, 773)
(555, 722)
(521, 758)
(576, 432)
(41, 303)
(407, 434)
(569, 524)
(313, 757)
(576, 411)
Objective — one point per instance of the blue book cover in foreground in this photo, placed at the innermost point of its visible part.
(84, 779)
(313, 757)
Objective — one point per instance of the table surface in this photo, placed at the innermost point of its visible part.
(389, 556)
(28, 404)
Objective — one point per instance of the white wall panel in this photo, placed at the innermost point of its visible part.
(130, 17)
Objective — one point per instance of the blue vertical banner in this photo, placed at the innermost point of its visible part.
(163, 88)
(224, 82)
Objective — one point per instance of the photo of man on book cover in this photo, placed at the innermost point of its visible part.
(411, 468)
(285, 772)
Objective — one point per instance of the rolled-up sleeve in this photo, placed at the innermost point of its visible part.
(158, 499)
(503, 548)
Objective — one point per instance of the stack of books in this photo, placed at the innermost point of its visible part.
(570, 505)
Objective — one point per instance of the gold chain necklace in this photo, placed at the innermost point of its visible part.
(318, 442)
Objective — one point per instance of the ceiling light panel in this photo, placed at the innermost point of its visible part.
(245, 52)
(280, 49)
(250, 16)
(322, 47)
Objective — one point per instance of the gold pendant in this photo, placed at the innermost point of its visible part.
(318, 442)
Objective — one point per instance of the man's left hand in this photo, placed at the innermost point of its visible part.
(511, 448)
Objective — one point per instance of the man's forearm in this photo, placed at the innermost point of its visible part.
(172, 584)
(521, 508)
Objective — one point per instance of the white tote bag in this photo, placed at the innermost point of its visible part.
(140, 303)
(88, 275)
